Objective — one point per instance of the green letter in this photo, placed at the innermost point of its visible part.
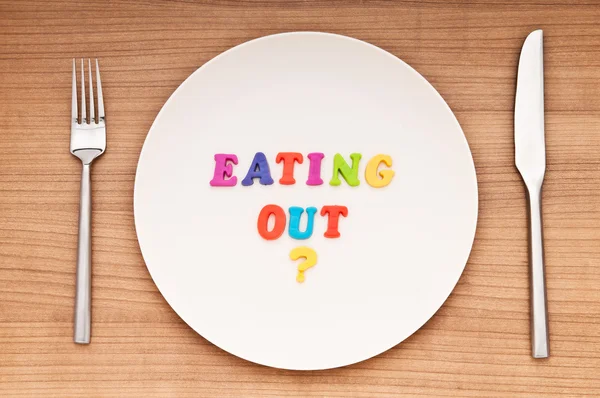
(349, 174)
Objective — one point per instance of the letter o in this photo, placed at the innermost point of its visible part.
(263, 222)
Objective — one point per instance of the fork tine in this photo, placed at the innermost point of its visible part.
(74, 114)
(100, 98)
(92, 120)
(83, 110)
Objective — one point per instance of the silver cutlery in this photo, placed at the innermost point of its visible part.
(88, 141)
(530, 158)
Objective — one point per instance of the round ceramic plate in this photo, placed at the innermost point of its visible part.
(403, 242)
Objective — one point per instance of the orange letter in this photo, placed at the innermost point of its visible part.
(288, 159)
(263, 222)
(333, 220)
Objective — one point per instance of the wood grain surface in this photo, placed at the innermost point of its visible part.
(477, 344)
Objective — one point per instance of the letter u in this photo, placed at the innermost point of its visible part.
(294, 228)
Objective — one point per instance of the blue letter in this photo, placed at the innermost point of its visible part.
(294, 229)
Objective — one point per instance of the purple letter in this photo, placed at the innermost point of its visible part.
(223, 168)
(259, 169)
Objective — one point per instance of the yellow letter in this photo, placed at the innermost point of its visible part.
(385, 176)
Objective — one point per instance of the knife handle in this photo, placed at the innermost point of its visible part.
(539, 312)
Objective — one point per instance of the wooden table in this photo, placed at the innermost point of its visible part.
(476, 345)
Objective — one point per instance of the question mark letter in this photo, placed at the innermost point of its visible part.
(310, 257)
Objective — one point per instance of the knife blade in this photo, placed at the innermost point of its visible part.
(530, 159)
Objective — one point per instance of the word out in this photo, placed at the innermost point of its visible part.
(332, 213)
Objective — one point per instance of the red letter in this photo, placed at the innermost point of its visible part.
(334, 217)
(263, 222)
(288, 166)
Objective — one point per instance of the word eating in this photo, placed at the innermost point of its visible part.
(259, 169)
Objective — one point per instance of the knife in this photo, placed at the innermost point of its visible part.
(530, 159)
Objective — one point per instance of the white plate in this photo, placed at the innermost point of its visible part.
(402, 248)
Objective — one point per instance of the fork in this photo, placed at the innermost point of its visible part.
(88, 141)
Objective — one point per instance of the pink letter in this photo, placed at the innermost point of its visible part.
(314, 169)
(223, 168)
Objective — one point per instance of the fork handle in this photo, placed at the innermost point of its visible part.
(83, 294)
(539, 312)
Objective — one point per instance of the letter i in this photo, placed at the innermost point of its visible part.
(314, 169)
